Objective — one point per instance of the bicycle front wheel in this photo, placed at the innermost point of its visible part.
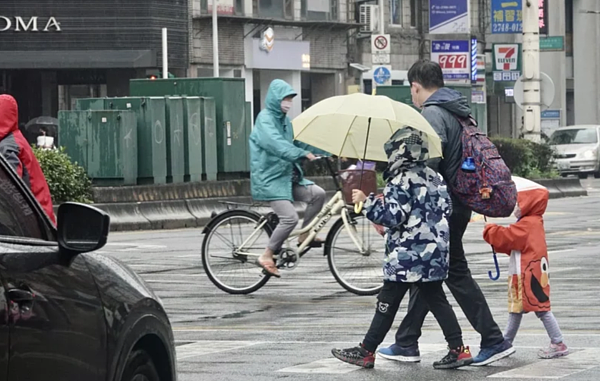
(228, 265)
(357, 269)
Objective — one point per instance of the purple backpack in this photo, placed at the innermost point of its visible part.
(483, 182)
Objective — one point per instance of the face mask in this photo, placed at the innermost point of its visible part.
(286, 106)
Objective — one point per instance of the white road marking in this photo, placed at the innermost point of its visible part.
(324, 366)
(202, 348)
(555, 369)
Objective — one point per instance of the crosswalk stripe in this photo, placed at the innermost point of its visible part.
(324, 366)
(576, 362)
(202, 348)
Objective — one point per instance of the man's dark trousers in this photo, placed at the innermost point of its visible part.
(464, 288)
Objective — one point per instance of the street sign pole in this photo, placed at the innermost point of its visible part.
(531, 71)
(381, 16)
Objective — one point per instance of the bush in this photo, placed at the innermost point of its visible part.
(526, 158)
(67, 180)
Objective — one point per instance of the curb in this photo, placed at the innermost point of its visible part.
(165, 215)
(561, 188)
(195, 212)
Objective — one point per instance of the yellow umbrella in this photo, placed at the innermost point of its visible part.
(358, 125)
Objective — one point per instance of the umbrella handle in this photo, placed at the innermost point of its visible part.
(358, 207)
(497, 276)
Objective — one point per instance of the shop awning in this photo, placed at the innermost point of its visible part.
(78, 59)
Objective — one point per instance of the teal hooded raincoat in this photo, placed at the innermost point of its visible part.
(273, 151)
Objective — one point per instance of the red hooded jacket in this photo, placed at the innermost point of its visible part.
(525, 242)
(16, 150)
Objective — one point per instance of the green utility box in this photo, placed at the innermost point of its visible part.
(232, 129)
(97, 104)
(152, 147)
(104, 143)
(209, 138)
(175, 139)
(192, 131)
(151, 122)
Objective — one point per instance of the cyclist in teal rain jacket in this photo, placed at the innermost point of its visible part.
(275, 172)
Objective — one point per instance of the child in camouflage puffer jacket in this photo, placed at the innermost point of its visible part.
(415, 211)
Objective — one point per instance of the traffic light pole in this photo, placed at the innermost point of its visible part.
(531, 71)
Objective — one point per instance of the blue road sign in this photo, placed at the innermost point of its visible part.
(382, 75)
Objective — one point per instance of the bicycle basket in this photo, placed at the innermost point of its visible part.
(350, 179)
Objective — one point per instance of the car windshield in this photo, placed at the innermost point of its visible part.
(575, 136)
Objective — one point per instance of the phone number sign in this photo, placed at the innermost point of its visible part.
(454, 57)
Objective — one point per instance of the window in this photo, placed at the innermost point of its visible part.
(414, 13)
(17, 216)
(320, 10)
(395, 12)
(575, 136)
(276, 8)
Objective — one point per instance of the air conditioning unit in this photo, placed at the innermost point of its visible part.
(369, 17)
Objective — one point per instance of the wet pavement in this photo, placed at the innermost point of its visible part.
(287, 329)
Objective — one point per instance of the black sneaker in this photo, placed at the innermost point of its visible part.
(455, 359)
(356, 356)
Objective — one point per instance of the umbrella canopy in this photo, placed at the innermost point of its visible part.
(43, 121)
(352, 125)
(525, 184)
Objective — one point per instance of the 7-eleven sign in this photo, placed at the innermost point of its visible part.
(507, 57)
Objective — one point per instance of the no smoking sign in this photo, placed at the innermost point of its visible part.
(380, 43)
(380, 48)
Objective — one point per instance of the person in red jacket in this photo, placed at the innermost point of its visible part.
(528, 283)
(16, 150)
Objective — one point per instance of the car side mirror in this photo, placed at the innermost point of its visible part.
(82, 228)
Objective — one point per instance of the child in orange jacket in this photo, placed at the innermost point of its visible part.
(528, 284)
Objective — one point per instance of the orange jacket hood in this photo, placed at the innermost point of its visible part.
(9, 115)
(533, 202)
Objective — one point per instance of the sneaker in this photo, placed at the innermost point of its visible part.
(402, 354)
(553, 351)
(356, 356)
(492, 354)
(455, 359)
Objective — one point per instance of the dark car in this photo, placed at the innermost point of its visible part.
(66, 315)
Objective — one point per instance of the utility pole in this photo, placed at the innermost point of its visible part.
(531, 71)
(215, 30)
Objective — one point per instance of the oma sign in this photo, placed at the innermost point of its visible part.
(29, 24)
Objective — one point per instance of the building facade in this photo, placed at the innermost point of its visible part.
(304, 42)
(53, 52)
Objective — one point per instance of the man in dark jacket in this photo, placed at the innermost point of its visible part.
(441, 106)
(16, 150)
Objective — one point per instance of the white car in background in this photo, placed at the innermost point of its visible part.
(577, 150)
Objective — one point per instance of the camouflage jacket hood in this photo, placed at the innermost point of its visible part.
(415, 210)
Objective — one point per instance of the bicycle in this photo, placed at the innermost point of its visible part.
(254, 235)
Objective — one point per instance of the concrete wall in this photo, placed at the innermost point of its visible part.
(586, 61)
(555, 63)
(231, 43)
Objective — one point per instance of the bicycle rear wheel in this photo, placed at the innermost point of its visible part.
(225, 266)
(358, 270)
